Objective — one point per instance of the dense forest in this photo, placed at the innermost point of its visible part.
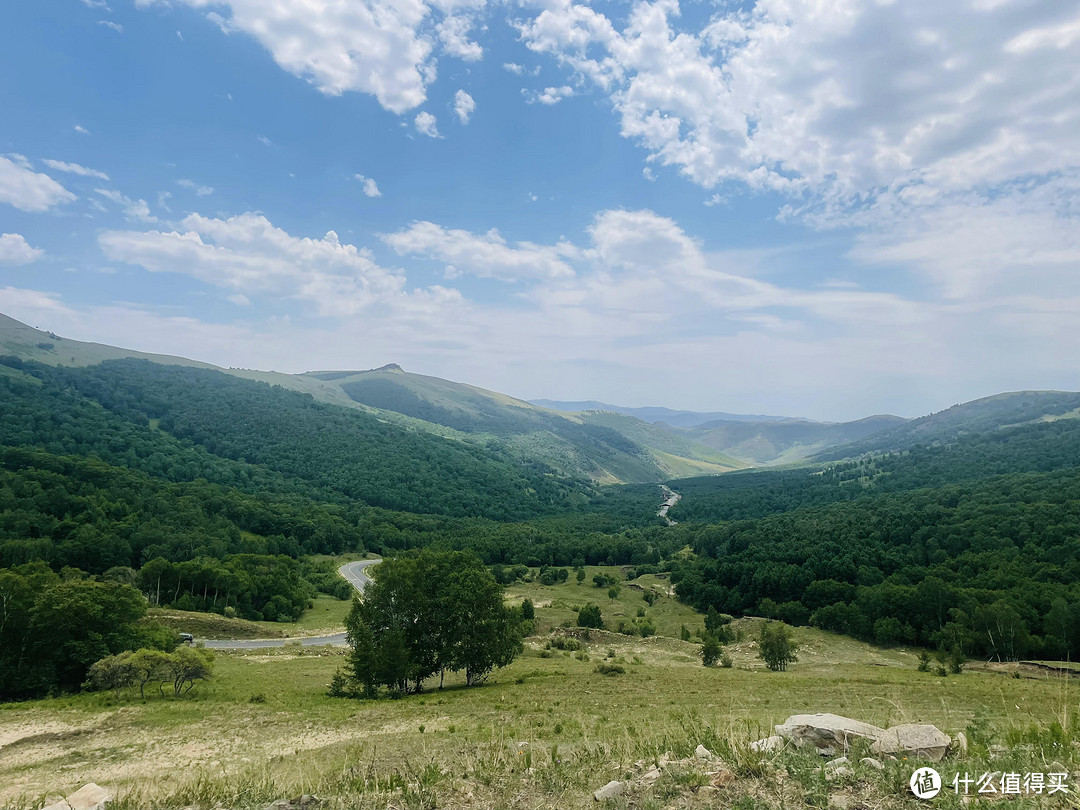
(209, 492)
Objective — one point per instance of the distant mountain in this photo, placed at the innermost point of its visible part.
(766, 443)
(625, 449)
(978, 416)
(562, 442)
(653, 415)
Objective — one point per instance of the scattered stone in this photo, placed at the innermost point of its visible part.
(665, 759)
(961, 743)
(89, 797)
(304, 802)
(833, 764)
(701, 752)
(722, 778)
(911, 740)
(770, 745)
(828, 733)
(609, 791)
(841, 772)
(870, 762)
(653, 774)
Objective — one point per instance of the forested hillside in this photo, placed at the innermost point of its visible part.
(974, 545)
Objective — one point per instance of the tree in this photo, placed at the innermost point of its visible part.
(775, 646)
(580, 575)
(528, 610)
(185, 665)
(589, 616)
(427, 613)
(710, 651)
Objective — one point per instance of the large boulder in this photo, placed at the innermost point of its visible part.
(89, 797)
(913, 740)
(828, 733)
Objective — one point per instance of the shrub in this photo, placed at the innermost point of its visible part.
(726, 662)
(590, 616)
(775, 646)
(710, 651)
(610, 669)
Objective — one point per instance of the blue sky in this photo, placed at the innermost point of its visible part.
(830, 209)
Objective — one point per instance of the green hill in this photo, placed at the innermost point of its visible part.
(786, 441)
(625, 452)
(978, 416)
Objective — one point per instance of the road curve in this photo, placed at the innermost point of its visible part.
(352, 571)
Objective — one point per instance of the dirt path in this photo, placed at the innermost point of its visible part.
(671, 497)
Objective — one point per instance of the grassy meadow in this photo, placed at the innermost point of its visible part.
(544, 732)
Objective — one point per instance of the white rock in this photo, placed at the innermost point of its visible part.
(912, 740)
(770, 745)
(833, 764)
(841, 772)
(89, 797)
(828, 733)
(701, 752)
(60, 805)
(653, 774)
(609, 791)
(961, 744)
(870, 762)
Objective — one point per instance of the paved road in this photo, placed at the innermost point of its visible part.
(353, 571)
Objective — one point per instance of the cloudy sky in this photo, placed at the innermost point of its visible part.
(819, 207)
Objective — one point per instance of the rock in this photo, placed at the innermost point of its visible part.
(722, 778)
(770, 745)
(701, 752)
(653, 774)
(89, 797)
(59, 804)
(609, 791)
(828, 733)
(961, 743)
(833, 764)
(870, 762)
(665, 759)
(911, 740)
(841, 772)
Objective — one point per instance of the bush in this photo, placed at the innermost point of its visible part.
(924, 661)
(775, 646)
(726, 662)
(590, 616)
(610, 669)
(710, 651)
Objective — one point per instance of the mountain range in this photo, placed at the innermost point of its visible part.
(590, 440)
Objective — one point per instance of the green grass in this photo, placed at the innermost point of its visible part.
(264, 728)
(555, 604)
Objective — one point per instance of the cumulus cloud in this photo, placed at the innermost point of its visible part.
(427, 124)
(487, 255)
(382, 47)
(81, 129)
(75, 168)
(464, 106)
(15, 251)
(371, 189)
(250, 256)
(117, 27)
(28, 190)
(883, 116)
(134, 210)
(199, 189)
(549, 95)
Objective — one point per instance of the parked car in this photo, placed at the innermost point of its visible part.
(187, 638)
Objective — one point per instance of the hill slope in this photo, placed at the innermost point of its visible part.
(567, 445)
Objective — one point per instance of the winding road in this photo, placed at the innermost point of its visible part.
(352, 571)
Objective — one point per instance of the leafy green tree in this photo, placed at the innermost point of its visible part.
(775, 646)
(710, 651)
(580, 575)
(528, 610)
(589, 616)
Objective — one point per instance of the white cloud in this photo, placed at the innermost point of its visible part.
(264, 140)
(549, 95)
(134, 210)
(75, 168)
(81, 129)
(513, 67)
(889, 117)
(371, 189)
(381, 47)
(426, 124)
(117, 27)
(15, 251)
(487, 255)
(240, 300)
(247, 254)
(453, 34)
(28, 190)
(464, 106)
(96, 4)
(191, 185)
